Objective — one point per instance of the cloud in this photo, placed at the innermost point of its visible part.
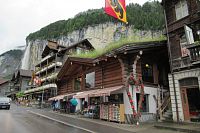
(18, 18)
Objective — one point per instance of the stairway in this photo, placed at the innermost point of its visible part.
(167, 116)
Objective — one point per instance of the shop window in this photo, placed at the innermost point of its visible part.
(90, 80)
(77, 83)
(116, 98)
(181, 9)
(147, 72)
(94, 100)
(145, 103)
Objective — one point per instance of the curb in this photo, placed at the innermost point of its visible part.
(129, 128)
(61, 122)
(176, 129)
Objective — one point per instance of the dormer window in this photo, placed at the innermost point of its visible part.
(181, 9)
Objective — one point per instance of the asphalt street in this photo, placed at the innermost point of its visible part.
(18, 120)
(22, 120)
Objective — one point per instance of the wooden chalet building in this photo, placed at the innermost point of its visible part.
(183, 29)
(19, 82)
(53, 56)
(4, 87)
(101, 81)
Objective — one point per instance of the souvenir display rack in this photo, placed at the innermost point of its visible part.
(112, 112)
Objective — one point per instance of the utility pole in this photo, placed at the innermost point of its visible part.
(171, 67)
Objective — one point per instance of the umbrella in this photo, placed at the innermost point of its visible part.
(73, 102)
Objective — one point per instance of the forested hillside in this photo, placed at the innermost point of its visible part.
(147, 17)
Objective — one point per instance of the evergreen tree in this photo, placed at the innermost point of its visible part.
(147, 17)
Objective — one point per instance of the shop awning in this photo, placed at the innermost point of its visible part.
(59, 97)
(98, 92)
(84, 94)
(105, 91)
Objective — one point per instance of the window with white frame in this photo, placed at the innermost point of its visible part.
(183, 44)
(181, 9)
(90, 80)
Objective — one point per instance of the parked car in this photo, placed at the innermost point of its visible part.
(5, 103)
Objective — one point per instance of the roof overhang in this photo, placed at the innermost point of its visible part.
(73, 64)
(59, 97)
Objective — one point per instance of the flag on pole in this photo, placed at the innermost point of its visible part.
(37, 80)
(116, 8)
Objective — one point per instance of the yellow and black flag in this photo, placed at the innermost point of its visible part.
(116, 8)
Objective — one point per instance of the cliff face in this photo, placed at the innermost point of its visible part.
(99, 36)
(9, 62)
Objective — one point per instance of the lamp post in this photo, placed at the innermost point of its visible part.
(42, 97)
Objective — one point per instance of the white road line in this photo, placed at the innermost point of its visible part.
(62, 122)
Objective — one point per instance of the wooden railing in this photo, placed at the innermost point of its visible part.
(181, 62)
(164, 106)
(195, 53)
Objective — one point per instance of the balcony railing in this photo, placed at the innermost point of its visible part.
(195, 53)
(51, 65)
(41, 88)
(50, 76)
(181, 62)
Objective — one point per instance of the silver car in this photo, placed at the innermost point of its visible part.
(5, 103)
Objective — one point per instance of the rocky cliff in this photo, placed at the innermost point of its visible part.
(99, 35)
(9, 62)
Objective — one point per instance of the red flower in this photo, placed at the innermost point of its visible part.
(134, 113)
(142, 86)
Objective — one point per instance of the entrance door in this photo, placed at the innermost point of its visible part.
(185, 104)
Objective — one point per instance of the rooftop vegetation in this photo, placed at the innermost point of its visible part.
(20, 94)
(117, 44)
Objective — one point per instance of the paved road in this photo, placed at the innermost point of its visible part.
(21, 120)
(18, 120)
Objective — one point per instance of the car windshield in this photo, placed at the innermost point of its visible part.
(4, 99)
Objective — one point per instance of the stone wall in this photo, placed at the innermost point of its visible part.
(178, 76)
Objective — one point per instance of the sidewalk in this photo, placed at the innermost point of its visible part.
(128, 127)
(92, 124)
(79, 120)
(182, 127)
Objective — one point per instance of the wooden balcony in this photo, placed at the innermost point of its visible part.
(195, 53)
(180, 63)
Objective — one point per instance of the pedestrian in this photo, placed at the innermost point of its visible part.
(53, 104)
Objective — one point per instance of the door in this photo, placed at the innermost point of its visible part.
(185, 104)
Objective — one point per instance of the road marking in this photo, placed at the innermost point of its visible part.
(62, 122)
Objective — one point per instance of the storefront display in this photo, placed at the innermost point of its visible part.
(113, 109)
(112, 112)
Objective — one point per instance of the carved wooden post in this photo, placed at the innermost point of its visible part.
(126, 77)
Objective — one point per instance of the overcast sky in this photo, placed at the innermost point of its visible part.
(18, 18)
